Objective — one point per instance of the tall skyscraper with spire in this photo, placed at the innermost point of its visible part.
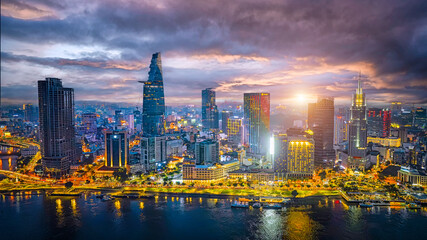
(153, 110)
(153, 141)
(357, 130)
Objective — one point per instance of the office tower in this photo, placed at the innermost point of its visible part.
(294, 157)
(207, 152)
(235, 129)
(209, 110)
(310, 115)
(30, 113)
(56, 111)
(379, 121)
(342, 118)
(138, 120)
(153, 152)
(131, 124)
(225, 115)
(396, 109)
(321, 122)
(153, 109)
(153, 143)
(257, 122)
(89, 123)
(116, 149)
(357, 130)
(420, 117)
(118, 117)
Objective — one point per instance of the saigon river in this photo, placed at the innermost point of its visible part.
(87, 217)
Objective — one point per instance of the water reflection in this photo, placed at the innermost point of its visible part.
(299, 224)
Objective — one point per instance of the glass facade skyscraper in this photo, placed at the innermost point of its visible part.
(153, 142)
(357, 130)
(210, 118)
(257, 122)
(321, 122)
(57, 133)
(153, 110)
(116, 149)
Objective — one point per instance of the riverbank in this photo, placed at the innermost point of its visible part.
(180, 191)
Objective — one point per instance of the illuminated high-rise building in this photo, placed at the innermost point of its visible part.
(321, 122)
(341, 126)
(294, 157)
(153, 152)
(225, 115)
(357, 130)
(210, 118)
(57, 133)
(153, 142)
(234, 129)
(257, 122)
(396, 109)
(118, 117)
(153, 109)
(206, 152)
(379, 122)
(116, 149)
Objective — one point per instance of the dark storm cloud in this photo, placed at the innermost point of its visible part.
(388, 36)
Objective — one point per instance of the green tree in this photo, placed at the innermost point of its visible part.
(294, 193)
(68, 185)
(120, 174)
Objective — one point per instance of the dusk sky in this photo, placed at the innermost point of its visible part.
(293, 49)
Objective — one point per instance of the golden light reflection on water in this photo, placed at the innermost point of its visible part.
(141, 205)
(299, 224)
(74, 207)
(60, 213)
(118, 208)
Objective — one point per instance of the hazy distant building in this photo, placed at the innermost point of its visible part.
(294, 157)
(357, 130)
(56, 111)
(321, 122)
(206, 152)
(116, 149)
(396, 109)
(210, 118)
(225, 115)
(30, 113)
(379, 122)
(118, 117)
(257, 122)
(89, 123)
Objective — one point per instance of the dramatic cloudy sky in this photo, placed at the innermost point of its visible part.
(293, 49)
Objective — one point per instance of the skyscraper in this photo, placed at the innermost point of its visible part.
(294, 157)
(257, 122)
(56, 111)
(235, 130)
(153, 109)
(30, 113)
(207, 152)
(209, 110)
(153, 143)
(225, 115)
(379, 122)
(357, 130)
(116, 149)
(321, 122)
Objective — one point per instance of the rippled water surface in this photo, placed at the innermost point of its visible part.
(47, 217)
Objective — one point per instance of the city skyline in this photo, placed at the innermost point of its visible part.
(216, 49)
